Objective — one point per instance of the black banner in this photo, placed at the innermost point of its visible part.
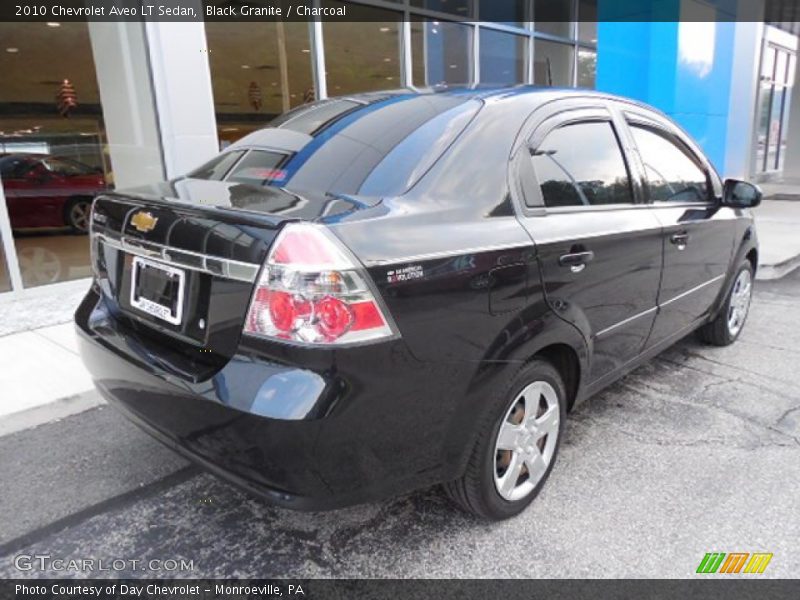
(510, 11)
(348, 589)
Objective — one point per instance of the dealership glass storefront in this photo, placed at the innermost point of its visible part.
(78, 113)
(262, 69)
(56, 154)
(777, 75)
(90, 106)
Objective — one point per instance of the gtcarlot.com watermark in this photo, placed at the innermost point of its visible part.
(46, 562)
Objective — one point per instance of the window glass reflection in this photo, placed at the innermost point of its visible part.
(460, 8)
(672, 175)
(362, 56)
(587, 68)
(552, 64)
(507, 12)
(778, 94)
(441, 53)
(259, 168)
(217, 167)
(309, 119)
(582, 165)
(587, 21)
(554, 18)
(502, 57)
(768, 63)
(53, 146)
(258, 70)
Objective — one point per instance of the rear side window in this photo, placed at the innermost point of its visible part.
(582, 164)
(217, 167)
(672, 174)
(259, 168)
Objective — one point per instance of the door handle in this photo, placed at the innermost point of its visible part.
(680, 240)
(576, 261)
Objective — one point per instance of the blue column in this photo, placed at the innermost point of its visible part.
(682, 68)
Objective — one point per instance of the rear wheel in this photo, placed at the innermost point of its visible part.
(76, 214)
(517, 446)
(728, 324)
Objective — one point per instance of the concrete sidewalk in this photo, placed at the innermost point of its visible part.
(778, 223)
(42, 378)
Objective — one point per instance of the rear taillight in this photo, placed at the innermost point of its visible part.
(312, 290)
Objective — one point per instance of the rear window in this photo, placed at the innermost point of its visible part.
(376, 148)
(310, 118)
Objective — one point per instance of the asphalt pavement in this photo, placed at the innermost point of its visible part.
(697, 451)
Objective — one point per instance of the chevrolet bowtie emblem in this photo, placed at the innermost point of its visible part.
(144, 221)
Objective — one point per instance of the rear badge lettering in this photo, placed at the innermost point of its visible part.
(405, 274)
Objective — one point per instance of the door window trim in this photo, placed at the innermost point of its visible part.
(532, 199)
(634, 119)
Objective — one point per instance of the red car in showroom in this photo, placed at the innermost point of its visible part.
(49, 191)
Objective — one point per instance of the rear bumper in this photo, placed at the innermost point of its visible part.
(337, 431)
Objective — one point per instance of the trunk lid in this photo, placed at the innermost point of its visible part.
(217, 235)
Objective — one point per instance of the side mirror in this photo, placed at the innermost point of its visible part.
(740, 194)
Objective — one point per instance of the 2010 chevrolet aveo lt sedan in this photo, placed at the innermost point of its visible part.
(388, 291)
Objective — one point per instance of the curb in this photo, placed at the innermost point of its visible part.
(777, 271)
(50, 412)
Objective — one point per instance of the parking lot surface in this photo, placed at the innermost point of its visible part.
(697, 451)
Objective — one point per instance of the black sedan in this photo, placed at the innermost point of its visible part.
(388, 291)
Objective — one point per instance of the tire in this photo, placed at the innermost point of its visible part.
(478, 490)
(76, 215)
(725, 329)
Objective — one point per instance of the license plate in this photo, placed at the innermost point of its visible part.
(157, 289)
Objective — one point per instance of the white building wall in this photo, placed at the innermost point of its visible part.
(128, 108)
(740, 139)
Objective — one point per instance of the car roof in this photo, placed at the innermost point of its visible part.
(486, 91)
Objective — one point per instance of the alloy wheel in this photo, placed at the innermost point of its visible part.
(526, 441)
(740, 302)
(79, 216)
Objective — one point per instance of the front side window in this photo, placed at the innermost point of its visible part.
(672, 175)
(582, 165)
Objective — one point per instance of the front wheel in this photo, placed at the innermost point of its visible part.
(728, 325)
(517, 445)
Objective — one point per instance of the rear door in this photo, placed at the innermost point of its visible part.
(698, 233)
(599, 248)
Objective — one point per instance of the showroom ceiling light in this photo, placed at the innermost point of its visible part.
(245, 66)
(384, 29)
(12, 50)
(53, 24)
